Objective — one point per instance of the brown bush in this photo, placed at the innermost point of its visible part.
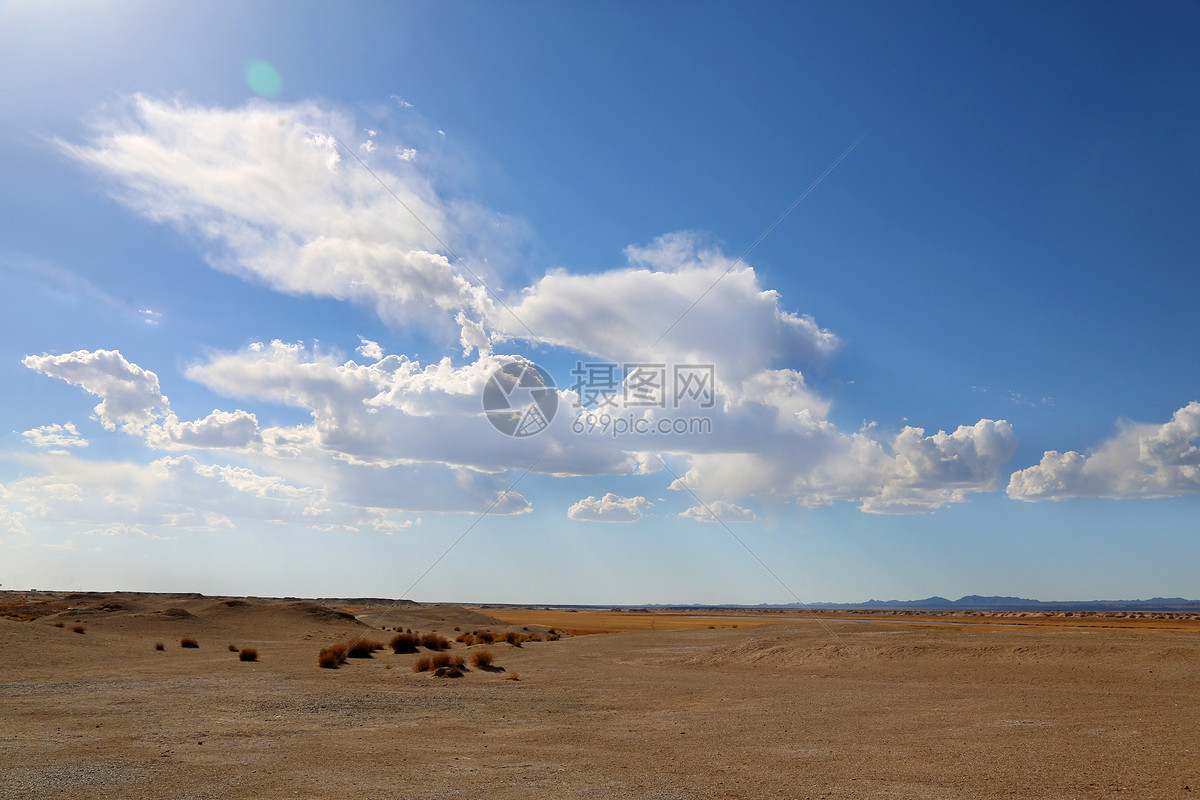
(421, 665)
(440, 660)
(248, 654)
(457, 628)
(513, 638)
(189, 642)
(233, 648)
(361, 648)
(59, 624)
(512, 676)
(485, 637)
(159, 646)
(79, 629)
(331, 656)
(435, 641)
(481, 659)
(448, 672)
(459, 662)
(404, 643)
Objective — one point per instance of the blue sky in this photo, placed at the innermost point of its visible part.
(964, 363)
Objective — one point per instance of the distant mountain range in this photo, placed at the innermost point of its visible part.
(974, 602)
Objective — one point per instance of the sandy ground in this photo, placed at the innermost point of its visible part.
(776, 710)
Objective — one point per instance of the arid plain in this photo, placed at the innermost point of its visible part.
(665, 706)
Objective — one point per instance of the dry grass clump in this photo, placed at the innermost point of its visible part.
(59, 624)
(362, 648)
(481, 659)
(159, 646)
(459, 661)
(440, 660)
(466, 638)
(404, 643)
(233, 648)
(485, 637)
(79, 629)
(513, 638)
(331, 656)
(435, 641)
(447, 672)
(512, 676)
(552, 636)
(248, 654)
(421, 665)
(188, 642)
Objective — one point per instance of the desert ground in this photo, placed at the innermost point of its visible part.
(664, 706)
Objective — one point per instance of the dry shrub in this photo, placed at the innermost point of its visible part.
(441, 660)
(512, 676)
(435, 641)
(233, 648)
(421, 665)
(79, 629)
(248, 654)
(447, 672)
(159, 646)
(331, 656)
(552, 637)
(59, 624)
(513, 638)
(188, 642)
(465, 638)
(481, 659)
(404, 643)
(457, 628)
(459, 662)
(362, 648)
(485, 637)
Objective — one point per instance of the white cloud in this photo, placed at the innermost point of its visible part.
(124, 531)
(369, 349)
(265, 186)
(817, 465)
(150, 317)
(726, 512)
(56, 436)
(1140, 461)
(406, 154)
(610, 508)
(219, 430)
(267, 191)
(619, 314)
(130, 395)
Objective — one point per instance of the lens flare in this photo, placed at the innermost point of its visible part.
(263, 78)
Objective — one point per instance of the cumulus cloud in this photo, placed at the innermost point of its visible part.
(610, 508)
(131, 397)
(219, 430)
(818, 465)
(1143, 460)
(621, 313)
(369, 349)
(726, 512)
(265, 188)
(55, 436)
